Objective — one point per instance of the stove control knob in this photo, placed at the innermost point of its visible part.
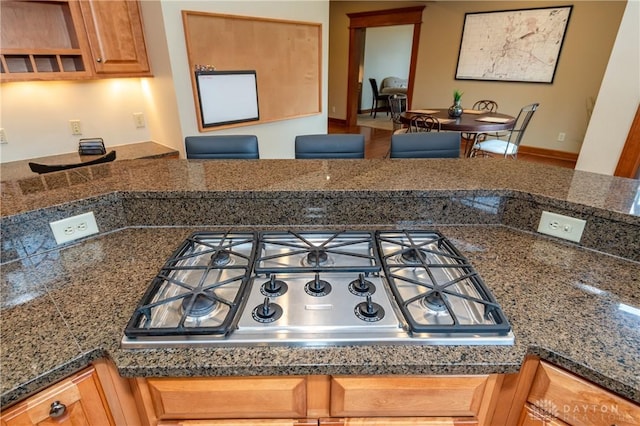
(267, 312)
(369, 311)
(274, 287)
(317, 287)
(57, 409)
(362, 286)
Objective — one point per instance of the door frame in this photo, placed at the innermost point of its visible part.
(358, 23)
(629, 161)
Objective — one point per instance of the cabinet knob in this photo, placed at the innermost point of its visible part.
(57, 409)
(99, 60)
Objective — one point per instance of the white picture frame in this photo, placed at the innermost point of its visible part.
(227, 97)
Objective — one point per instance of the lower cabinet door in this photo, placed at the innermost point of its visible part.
(242, 422)
(77, 400)
(399, 421)
(578, 402)
(534, 416)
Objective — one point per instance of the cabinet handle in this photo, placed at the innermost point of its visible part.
(99, 60)
(57, 409)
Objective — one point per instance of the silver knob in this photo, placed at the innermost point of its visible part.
(99, 60)
(57, 409)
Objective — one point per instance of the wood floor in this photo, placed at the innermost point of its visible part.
(377, 143)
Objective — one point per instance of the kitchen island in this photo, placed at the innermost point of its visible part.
(575, 305)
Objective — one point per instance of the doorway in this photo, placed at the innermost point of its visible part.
(358, 23)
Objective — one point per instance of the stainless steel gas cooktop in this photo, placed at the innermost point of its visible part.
(314, 288)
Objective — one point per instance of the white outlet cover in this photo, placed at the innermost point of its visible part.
(74, 227)
(565, 227)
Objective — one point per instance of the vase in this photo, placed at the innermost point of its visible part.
(455, 110)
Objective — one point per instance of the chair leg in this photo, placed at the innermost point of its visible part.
(375, 109)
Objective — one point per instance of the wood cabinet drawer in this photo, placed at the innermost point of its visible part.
(228, 397)
(579, 402)
(353, 396)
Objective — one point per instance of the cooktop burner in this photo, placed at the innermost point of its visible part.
(317, 288)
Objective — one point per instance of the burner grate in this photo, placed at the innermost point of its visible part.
(343, 251)
(436, 288)
(180, 302)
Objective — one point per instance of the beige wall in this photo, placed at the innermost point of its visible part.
(618, 100)
(276, 139)
(35, 115)
(563, 105)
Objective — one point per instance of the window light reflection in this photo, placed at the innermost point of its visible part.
(629, 309)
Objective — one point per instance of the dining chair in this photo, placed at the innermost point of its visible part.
(508, 147)
(485, 105)
(45, 168)
(398, 105)
(222, 147)
(425, 145)
(377, 97)
(424, 123)
(335, 145)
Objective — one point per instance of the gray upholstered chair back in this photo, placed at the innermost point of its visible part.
(335, 145)
(425, 145)
(222, 147)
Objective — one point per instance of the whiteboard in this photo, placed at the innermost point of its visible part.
(227, 97)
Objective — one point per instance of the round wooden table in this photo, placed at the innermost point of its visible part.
(467, 122)
(471, 123)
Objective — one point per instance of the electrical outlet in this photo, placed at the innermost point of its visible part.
(557, 225)
(561, 136)
(76, 129)
(138, 119)
(3, 137)
(74, 227)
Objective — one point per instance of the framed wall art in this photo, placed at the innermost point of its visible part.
(512, 45)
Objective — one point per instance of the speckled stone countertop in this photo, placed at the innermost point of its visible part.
(576, 305)
(20, 169)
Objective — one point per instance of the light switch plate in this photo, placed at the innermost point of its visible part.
(565, 227)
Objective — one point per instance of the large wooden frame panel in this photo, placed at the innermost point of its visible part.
(286, 55)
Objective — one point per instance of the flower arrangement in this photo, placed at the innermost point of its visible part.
(457, 95)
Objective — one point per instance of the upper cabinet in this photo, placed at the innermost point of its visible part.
(63, 40)
(116, 38)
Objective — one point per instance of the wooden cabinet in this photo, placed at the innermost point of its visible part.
(116, 37)
(42, 41)
(252, 422)
(339, 400)
(404, 421)
(62, 40)
(557, 397)
(77, 400)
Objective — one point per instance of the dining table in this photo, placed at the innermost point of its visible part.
(473, 122)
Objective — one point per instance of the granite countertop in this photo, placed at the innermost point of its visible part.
(575, 305)
(20, 169)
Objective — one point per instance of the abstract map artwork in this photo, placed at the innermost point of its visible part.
(512, 45)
